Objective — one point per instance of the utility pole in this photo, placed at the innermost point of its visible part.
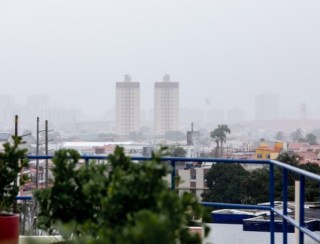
(37, 154)
(46, 144)
(16, 118)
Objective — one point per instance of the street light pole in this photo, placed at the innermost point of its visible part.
(16, 118)
(15, 134)
(37, 153)
(47, 164)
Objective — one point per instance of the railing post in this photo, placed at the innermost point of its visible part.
(297, 210)
(24, 217)
(173, 175)
(301, 212)
(87, 162)
(37, 153)
(285, 204)
(271, 199)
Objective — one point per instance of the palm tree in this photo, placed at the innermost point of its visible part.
(215, 135)
(220, 137)
(289, 158)
(223, 135)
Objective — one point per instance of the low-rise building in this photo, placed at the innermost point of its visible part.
(192, 178)
(269, 149)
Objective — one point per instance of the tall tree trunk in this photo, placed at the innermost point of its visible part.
(217, 149)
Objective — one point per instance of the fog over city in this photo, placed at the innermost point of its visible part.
(222, 53)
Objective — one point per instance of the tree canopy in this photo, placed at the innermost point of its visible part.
(311, 139)
(177, 151)
(297, 135)
(232, 184)
(224, 182)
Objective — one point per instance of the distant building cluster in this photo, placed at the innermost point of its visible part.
(35, 106)
(166, 106)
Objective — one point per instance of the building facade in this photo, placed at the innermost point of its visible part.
(193, 180)
(269, 150)
(166, 106)
(127, 106)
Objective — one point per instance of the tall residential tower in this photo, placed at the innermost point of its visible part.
(127, 106)
(166, 106)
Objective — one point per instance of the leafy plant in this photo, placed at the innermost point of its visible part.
(12, 160)
(118, 202)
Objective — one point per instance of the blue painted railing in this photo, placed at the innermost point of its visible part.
(272, 164)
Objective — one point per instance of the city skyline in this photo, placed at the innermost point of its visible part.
(63, 116)
(12, 102)
(291, 111)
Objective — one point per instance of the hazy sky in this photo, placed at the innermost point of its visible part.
(226, 50)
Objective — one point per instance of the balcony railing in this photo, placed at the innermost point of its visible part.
(300, 225)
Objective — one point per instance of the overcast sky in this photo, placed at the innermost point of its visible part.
(226, 50)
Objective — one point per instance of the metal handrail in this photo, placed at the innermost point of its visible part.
(271, 163)
(295, 170)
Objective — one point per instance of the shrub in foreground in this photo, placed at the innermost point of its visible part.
(118, 202)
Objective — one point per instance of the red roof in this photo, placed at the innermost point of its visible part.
(296, 146)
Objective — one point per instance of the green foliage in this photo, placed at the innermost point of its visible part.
(231, 184)
(256, 186)
(224, 182)
(297, 135)
(312, 186)
(75, 194)
(12, 160)
(289, 158)
(311, 139)
(177, 152)
(121, 202)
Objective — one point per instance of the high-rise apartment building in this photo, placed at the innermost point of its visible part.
(266, 106)
(166, 106)
(7, 111)
(127, 106)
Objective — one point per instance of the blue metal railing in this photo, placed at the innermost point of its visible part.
(27, 213)
(272, 164)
